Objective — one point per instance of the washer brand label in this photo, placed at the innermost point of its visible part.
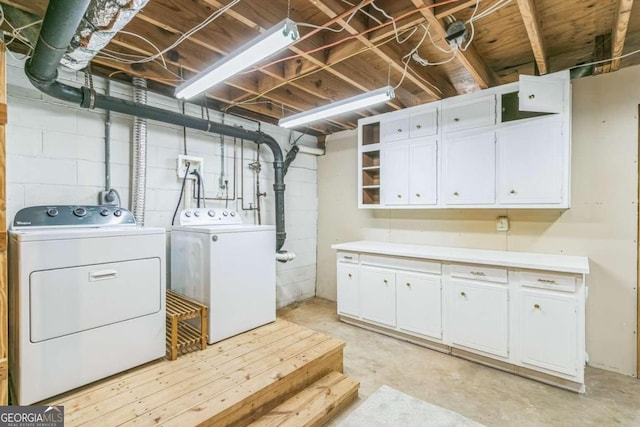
(23, 222)
(31, 416)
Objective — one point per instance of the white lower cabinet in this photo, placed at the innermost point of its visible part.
(479, 317)
(378, 295)
(548, 330)
(348, 299)
(419, 303)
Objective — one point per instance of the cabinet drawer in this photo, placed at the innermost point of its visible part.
(424, 266)
(551, 281)
(348, 257)
(395, 129)
(424, 123)
(485, 274)
(541, 94)
(470, 114)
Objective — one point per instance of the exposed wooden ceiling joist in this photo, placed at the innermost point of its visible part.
(619, 33)
(532, 24)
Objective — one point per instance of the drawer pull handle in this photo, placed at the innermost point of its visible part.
(536, 306)
(532, 96)
(550, 282)
(478, 273)
(348, 257)
(102, 275)
(463, 294)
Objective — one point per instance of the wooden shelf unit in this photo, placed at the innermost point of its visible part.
(181, 336)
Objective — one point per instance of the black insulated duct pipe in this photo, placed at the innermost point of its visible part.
(58, 28)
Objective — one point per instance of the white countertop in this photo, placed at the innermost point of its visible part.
(562, 263)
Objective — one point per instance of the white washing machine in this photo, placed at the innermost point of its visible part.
(228, 266)
(86, 297)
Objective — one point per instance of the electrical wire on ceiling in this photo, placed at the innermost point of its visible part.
(16, 35)
(328, 28)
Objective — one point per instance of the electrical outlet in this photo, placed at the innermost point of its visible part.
(195, 164)
(502, 223)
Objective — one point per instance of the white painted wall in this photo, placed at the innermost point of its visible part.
(55, 155)
(602, 223)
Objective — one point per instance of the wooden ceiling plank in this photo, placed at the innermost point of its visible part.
(532, 25)
(329, 7)
(602, 52)
(619, 31)
(469, 59)
(36, 7)
(450, 9)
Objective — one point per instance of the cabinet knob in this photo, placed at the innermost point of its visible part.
(417, 194)
(385, 281)
(408, 285)
(512, 192)
(456, 193)
(536, 306)
(399, 196)
(349, 275)
(399, 130)
(463, 294)
(532, 96)
(418, 126)
(456, 120)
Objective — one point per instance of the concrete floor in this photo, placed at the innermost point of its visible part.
(486, 395)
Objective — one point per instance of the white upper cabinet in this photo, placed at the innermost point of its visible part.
(423, 123)
(530, 162)
(468, 169)
(468, 114)
(395, 129)
(541, 94)
(519, 158)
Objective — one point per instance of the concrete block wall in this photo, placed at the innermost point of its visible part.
(55, 155)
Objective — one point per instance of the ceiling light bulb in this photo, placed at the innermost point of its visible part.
(271, 41)
(344, 106)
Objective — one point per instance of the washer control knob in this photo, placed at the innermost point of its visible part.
(52, 212)
(118, 213)
(104, 212)
(212, 213)
(196, 213)
(187, 214)
(232, 213)
(225, 213)
(80, 212)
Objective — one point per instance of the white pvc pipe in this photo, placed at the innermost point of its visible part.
(285, 256)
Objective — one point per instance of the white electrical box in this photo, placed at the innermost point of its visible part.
(195, 164)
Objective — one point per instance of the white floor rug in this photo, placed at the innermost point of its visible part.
(388, 407)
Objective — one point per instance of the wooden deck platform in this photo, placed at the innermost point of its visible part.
(233, 382)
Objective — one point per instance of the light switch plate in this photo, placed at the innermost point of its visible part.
(502, 223)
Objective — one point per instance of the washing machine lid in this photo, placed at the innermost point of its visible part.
(65, 233)
(216, 229)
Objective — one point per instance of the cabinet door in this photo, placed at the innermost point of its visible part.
(419, 305)
(541, 94)
(424, 123)
(378, 295)
(423, 173)
(395, 129)
(480, 317)
(549, 331)
(395, 174)
(530, 162)
(468, 165)
(469, 114)
(348, 289)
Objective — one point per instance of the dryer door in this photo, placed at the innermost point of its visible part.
(70, 300)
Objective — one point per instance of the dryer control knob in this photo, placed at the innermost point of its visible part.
(80, 211)
(196, 213)
(232, 213)
(225, 213)
(118, 213)
(187, 214)
(212, 213)
(52, 212)
(104, 212)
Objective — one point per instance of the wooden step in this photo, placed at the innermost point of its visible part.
(230, 383)
(315, 405)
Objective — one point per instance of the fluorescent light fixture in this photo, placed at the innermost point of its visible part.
(350, 104)
(266, 44)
